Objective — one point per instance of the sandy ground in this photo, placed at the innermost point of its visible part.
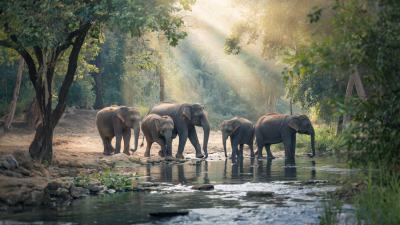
(76, 140)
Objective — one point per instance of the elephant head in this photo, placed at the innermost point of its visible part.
(228, 127)
(302, 125)
(196, 115)
(164, 127)
(130, 117)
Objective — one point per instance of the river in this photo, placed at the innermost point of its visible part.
(296, 195)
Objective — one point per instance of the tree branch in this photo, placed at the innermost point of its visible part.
(69, 77)
(14, 44)
(68, 41)
(39, 54)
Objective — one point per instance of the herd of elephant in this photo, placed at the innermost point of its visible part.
(165, 121)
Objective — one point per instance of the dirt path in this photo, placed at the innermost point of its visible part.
(76, 140)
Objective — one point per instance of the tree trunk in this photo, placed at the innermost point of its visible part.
(41, 147)
(291, 105)
(339, 127)
(162, 83)
(354, 80)
(98, 85)
(13, 105)
(98, 90)
(32, 115)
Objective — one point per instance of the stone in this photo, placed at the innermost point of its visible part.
(262, 194)
(63, 193)
(10, 173)
(36, 198)
(169, 214)
(54, 185)
(78, 192)
(111, 191)
(9, 163)
(95, 188)
(203, 187)
(315, 182)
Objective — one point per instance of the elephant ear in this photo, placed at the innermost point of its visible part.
(293, 123)
(186, 112)
(121, 113)
(235, 126)
(157, 125)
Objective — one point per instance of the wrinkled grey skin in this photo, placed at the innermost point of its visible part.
(186, 117)
(117, 121)
(275, 128)
(240, 131)
(158, 129)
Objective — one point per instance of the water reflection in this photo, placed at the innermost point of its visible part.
(245, 169)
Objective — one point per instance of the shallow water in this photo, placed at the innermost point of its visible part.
(298, 192)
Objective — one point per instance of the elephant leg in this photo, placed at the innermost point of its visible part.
(293, 147)
(148, 146)
(195, 142)
(259, 151)
(287, 143)
(127, 139)
(269, 153)
(182, 142)
(118, 139)
(107, 146)
(241, 150)
(251, 150)
(234, 145)
(163, 150)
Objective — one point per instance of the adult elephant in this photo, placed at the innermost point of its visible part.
(186, 117)
(275, 128)
(241, 131)
(117, 121)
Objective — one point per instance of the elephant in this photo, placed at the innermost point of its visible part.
(186, 117)
(117, 121)
(241, 131)
(158, 129)
(275, 128)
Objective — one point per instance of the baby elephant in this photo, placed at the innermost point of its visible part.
(158, 129)
(241, 131)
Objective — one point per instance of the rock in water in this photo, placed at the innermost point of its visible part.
(261, 194)
(79, 192)
(168, 214)
(203, 187)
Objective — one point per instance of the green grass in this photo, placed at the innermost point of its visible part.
(111, 180)
(331, 211)
(377, 203)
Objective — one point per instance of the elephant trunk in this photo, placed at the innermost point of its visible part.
(224, 137)
(312, 134)
(136, 132)
(206, 130)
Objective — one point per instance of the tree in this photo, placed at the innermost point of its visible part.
(42, 32)
(13, 104)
